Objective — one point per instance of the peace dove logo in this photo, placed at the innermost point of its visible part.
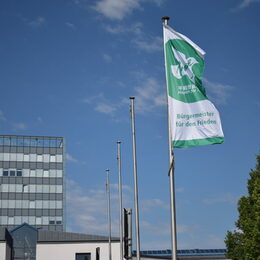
(184, 67)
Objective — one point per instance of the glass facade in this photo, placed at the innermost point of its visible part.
(32, 181)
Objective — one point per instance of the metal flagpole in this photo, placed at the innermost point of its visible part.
(109, 215)
(135, 182)
(165, 20)
(120, 198)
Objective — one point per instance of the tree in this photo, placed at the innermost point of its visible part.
(244, 243)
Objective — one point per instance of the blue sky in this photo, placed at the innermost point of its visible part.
(68, 68)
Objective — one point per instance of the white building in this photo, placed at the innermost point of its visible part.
(28, 243)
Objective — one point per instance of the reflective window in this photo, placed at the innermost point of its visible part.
(17, 220)
(39, 158)
(32, 204)
(45, 220)
(10, 220)
(58, 188)
(1, 172)
(19, 157)
(18, 204)
(52, 158)
(46, 158)
(32, 157)
(45, 173)
(32, 188)
(6, 156)
(19, 173)
(58, 204)
(5, 172)
(19, 188)
(45, 189)
(3, 220)
(38, 220)
(26, 172)
(31, 220)
(53, 173)
(12, 173)
(52, 204)
(59, 158)
(11, 204)
(45, 204)
(39, 172)
(59, 173)
(32, 173)
(25, 188)
(11, 187)
(39, 188)
(26, 157)
(12, 156)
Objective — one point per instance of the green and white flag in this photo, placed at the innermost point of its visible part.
(193, 119)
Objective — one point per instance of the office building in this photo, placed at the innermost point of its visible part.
(32, 182)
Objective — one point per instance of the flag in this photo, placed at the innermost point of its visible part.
(193, 119)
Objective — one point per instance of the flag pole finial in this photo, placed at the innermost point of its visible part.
(165, 19)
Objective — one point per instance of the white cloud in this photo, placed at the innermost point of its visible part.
(149, 95)
(19, 126)
(37, 22)
(87, 208)
(2, 116)
(149, 204)
(245, 3)
(135, 28)
(105, 108)
(107, 58)
(116, 9)
(70, 25)
(222, 198)
(70, 158)
(217, 91)
(152, 44)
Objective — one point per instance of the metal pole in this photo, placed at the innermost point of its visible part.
(109, 215)
(120, 198)
(135, 182)
(165, 20)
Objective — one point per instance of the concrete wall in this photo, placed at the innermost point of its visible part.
(5, 251)
(2, 250)
(67, 250)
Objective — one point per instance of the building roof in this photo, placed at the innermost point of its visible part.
(59, 236)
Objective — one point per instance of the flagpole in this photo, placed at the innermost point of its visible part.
(135, 182)
(120, 198)
(165, 20)
(109, 215)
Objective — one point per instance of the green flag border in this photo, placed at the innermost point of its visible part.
(197, 142)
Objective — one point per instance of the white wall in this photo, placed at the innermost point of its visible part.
(2, 250)
(67, 251)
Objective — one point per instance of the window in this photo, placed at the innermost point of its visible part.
(46, 158)
(59, 173)
(12, 156)
(58, 222)
(26, 157)
(5, 173)
(19, 173)
(12, 173)
(10, 220)
(26, 172)
(83, 256)
(59, 158)
(45, 173)
(51, 222)
(19, 157)
(53, 158)
(39, 158)
(32, 173)
(98, 253)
